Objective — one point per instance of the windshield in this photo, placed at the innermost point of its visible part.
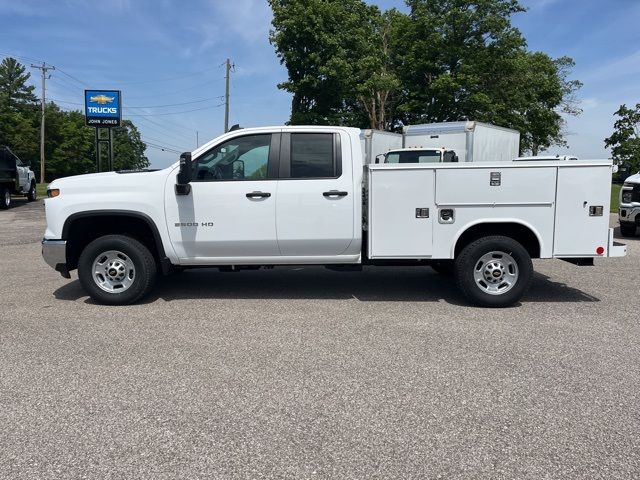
(417, 156)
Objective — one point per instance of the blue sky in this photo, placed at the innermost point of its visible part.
(167, 52)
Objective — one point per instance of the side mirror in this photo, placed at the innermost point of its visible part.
(184, 174)
(380, 158)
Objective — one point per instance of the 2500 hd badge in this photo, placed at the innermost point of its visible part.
(194, 224)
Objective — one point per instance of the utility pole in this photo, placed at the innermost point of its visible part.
(43, 69)
(197, 140)
(228, 66)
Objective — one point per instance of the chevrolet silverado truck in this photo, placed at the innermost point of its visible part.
(265, 197)
(629, 211)
(16, 178)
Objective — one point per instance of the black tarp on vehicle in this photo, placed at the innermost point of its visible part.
(7, 164)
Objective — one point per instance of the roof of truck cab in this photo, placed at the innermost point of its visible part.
(353, 132)
(417, 149)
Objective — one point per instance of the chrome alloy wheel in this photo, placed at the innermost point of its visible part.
(7, 197)
(496, 273)
(113, 271)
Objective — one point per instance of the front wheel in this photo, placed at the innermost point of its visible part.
(494, 271)
(116, 270)
(5, 198)
(32, 195)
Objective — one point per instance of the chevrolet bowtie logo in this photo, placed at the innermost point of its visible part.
(101, 99)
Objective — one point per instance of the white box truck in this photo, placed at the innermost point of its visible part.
(471, 141)
(302, 196)
(378, 142)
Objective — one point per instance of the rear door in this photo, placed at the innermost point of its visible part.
(582, 210)
(315, 202)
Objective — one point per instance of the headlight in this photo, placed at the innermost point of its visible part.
(627, 197)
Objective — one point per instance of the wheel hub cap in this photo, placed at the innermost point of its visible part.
(496, 273)
(113, 271)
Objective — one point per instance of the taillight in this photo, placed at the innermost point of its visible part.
(53, 192)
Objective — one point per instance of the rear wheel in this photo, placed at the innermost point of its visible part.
(5, 198)
(494, 271)
(116, 270)
(32, 195)
(628, 230)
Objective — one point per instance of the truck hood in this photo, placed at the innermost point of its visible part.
(109, 180)
(633, 178)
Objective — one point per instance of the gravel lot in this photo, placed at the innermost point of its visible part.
(307, 373)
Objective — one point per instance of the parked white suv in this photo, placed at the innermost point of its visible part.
(302, 196)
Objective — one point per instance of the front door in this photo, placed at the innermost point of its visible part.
(315, 204)
(230, 212)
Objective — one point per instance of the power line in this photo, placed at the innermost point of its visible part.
(173, 113)
(73, 78)
(169, 79)
(220, 97)
(160, 147)
(165, 143)
(166, 133)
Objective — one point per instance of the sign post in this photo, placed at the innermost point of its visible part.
(103, 109)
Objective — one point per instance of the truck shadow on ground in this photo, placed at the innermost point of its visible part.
(374, 284)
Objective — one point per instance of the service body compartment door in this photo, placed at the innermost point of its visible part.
(401, 213)
(579, 229)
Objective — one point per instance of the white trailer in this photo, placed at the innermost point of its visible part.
(472, 141)
(378, 142)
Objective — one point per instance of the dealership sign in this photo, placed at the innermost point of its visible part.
(103, 108)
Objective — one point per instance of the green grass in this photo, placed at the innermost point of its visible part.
(41, 189)
(615, 197)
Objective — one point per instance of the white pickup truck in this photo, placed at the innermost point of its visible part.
(16, 178)
(302, 196)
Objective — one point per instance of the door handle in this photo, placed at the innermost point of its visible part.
(258, 195)
(335, 193)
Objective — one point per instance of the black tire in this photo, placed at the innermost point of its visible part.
(144, 266)
(628, 230)
(32, 195)
(445, 268)
(469, 262)
(5, 198)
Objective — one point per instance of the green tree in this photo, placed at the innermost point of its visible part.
(625, 140)
(375, 84)
(447, 60)
(14, 91)
(323, 44)
(466, 61)
(128, 148)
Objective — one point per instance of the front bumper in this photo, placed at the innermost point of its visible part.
(615, 249)
(629, 214)
(54, 253)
